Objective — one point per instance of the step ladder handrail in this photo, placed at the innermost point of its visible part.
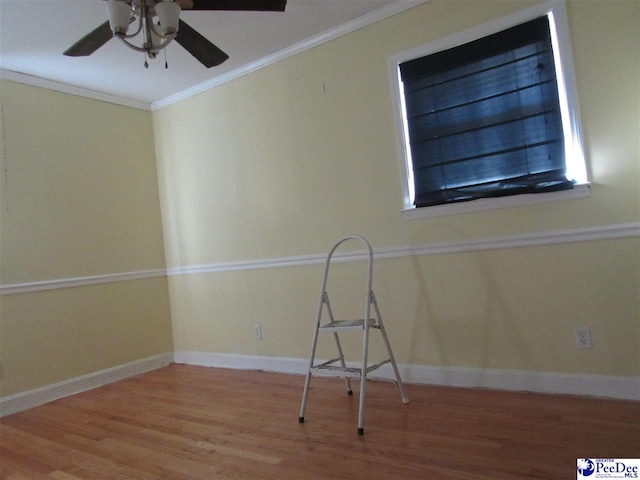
(334, 248)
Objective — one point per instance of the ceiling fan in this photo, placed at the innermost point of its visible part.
(158, 22)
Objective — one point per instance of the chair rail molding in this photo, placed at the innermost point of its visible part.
(605, 232)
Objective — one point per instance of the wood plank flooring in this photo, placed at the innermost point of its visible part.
(185, 422)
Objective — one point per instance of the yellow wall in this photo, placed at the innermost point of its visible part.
(79, 199)
(57, 335)
(284, 161)
(81, 190)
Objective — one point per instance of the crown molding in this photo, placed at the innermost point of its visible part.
(344, 29)
(71, 90)
(348, 27)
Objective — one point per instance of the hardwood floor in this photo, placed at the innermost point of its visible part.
(185, 422)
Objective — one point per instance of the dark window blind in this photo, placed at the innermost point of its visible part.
(484, 118)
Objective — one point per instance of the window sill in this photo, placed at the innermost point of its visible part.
(412, 213)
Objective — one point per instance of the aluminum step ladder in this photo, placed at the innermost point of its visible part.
(337, 367)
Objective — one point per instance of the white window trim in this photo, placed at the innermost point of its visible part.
(578, 191)
(568, 104)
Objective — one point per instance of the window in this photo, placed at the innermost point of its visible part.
(487, 114)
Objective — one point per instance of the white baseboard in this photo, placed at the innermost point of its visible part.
(606, 386)
(618, 387)
(243, 362)
(39, 396)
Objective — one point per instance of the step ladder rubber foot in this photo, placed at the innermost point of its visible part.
(350, 392)
(361, 431)
(300, 419)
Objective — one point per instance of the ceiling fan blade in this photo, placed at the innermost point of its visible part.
(246, 5)
(91, 42)
(198, 46)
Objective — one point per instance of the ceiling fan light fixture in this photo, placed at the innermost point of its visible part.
(119, 13)
(169, 14)
(150, 37)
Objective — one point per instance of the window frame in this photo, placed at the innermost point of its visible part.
(556, 10)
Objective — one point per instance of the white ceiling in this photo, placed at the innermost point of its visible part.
(34, 33)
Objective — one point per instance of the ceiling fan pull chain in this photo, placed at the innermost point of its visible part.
(166, 64)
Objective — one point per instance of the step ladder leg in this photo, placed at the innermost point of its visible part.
(363, 385)
(314, 343)
(394, 366)
(305, 394)
(347, 380)
(365, 363)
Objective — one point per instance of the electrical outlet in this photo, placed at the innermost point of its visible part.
(257, 331)
(583, 338)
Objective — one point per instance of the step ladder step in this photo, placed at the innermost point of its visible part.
(342, 325)
(334, 371)
(328, 370)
